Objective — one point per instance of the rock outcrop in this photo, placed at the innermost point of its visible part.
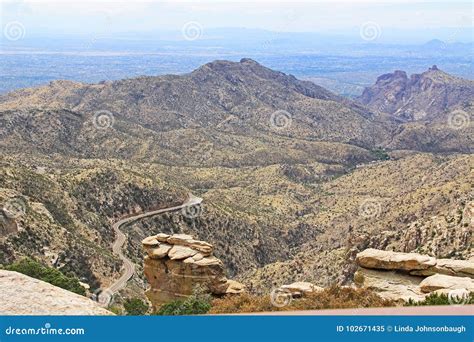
(374, 258)
(441, 282)
(176, 264)
(460, 268)
(299, 289)
(390, 284)
(23, 295)
(410, 275)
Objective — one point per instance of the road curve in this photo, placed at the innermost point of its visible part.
(128, 266)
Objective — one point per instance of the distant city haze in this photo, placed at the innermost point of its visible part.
(341, 45)
(400, 21)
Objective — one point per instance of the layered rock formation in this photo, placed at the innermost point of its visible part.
(176, 264)
(410, 275)
(23, 295)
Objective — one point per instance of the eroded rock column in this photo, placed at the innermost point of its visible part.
(176, 264)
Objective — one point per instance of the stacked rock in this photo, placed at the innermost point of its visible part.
(176, 264)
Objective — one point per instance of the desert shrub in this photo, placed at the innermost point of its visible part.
(441, 299)
(380, 153)
(334, 297)
(242, 303)
(197, 304)
(116, 310)
(34, 269)
(135, 307)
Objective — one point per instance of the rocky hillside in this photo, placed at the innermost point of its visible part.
(418, 203)
(61, 211)
(423, 96)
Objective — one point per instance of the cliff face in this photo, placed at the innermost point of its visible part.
(176, 264)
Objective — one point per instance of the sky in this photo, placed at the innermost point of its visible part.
(40, 17)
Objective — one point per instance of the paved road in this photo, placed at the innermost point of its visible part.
(128, 266)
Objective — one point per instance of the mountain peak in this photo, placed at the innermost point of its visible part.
(253, 74)
(249, 60)
(433, 91)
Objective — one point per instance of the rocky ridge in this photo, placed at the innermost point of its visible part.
(420, 96)
(176, 264)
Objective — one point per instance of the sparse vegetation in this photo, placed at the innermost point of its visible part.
(198, 303)
(135, 307)
(34, 269)
(334, 297)
(442, 299)
(380, 153)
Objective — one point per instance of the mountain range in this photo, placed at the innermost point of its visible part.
(295, 179)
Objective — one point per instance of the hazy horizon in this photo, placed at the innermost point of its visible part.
(392, 21)
(342, 45)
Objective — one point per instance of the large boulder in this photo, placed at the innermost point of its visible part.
(150, 241)
(23, 295)
(234, 287)
(300, 288)
(387, 260)
(159, 251)
(178, 252)
(441, 281)
(390, 284)
(178, 264)
(459, 268)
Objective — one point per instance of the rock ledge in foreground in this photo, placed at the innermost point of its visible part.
(23, 295)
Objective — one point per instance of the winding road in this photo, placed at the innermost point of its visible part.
(129, 267)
